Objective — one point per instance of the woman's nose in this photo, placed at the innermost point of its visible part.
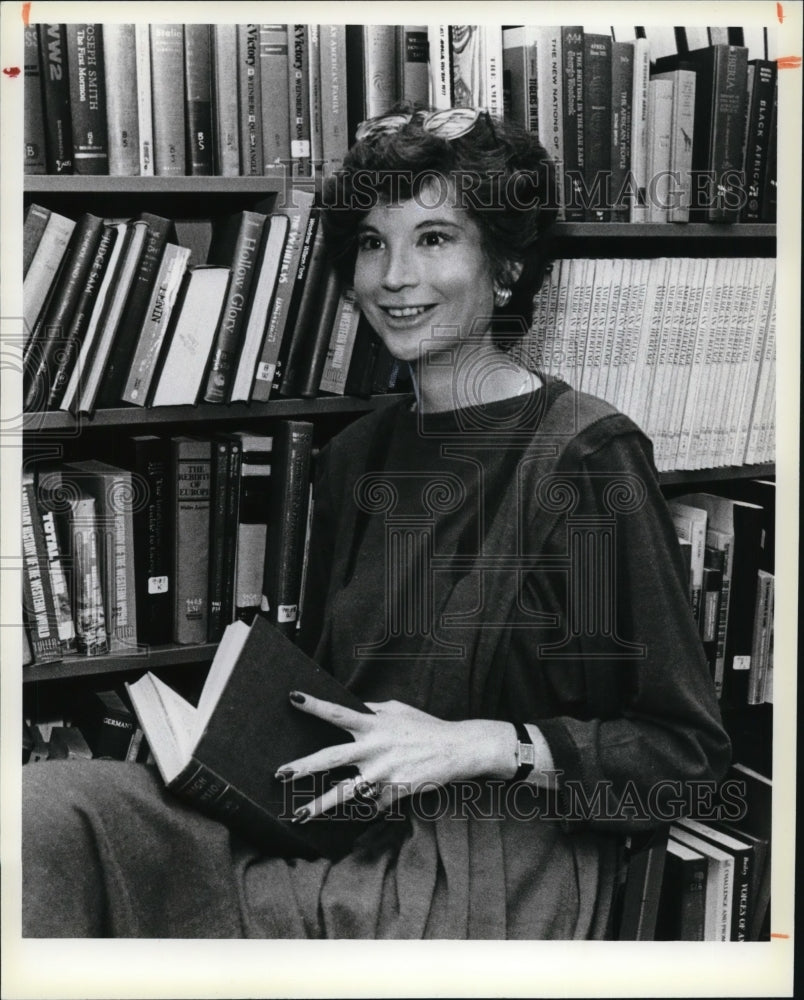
(400, 269)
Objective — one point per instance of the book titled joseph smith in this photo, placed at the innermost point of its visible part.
(222, 756)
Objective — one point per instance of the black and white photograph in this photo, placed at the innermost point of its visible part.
(391, 426)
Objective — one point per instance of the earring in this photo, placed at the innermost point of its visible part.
(502, 295)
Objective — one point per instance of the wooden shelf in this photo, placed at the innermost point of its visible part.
(147, 659)
(720, 474)
(92, 185)
(136, 416)
(666, 230)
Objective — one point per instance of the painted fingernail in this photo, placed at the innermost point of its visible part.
(301, 815)
(297, 697)
(284, 774)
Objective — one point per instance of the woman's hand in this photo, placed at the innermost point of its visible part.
(398, 749)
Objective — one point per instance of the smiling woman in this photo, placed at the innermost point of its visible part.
(478, 577)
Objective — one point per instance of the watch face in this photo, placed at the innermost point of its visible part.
(527, 754)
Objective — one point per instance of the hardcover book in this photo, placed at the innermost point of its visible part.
(190, 474)
(120, 65)
(88, 98)
(56, 89)
(222, 756)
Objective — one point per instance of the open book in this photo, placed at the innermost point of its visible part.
(222, 755)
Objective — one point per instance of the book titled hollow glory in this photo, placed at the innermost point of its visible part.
(222, 756)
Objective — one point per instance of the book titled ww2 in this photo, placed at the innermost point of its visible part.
(222, 756)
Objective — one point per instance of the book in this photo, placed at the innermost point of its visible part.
(758, 136)
(660, 138)
(761, 644)
(622, 96)
(222, 756)
(310, 311)
(125, 340)
(33, 228)
(467, 66)
(219, 484)
(341, 343)
(225, 100)
(70, 349)
(251, 519)
(71, 397)
(147, 456)
(690, 524)
(77, 527)
(249, 96)
(314, 98)
(131, 251)
(719, 890)
(197, 317)
(44, 346)
(108, 725)
(411, 61)
(755, 822)
(371, 84)
(743, 853)
(491, 50)
(639, 132)
(235, 245)
(279, 320)
(682, 130)
(44, 267)
(334, 117)
(33, 136)
(310, 380)
(275, 97)
(720, 99)
(597, 126)
(682, 907)
(167, 67)
(767, 210)
(57, 574)
(572, 48)
(290, 479)
(56, 91)
(190, 501)
(198, 98)
(640, 897)
(88, 98)
(145, 117)
(299, 99)
(711, 590)
(266, 275)
(438, 43)
(37, 594)
(68, 743)
(520, 84)
(122, 112)
(142, 370)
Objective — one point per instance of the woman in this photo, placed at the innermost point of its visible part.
(493, 571)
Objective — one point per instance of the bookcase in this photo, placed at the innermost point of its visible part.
(56, 434)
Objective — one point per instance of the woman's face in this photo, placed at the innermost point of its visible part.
(421, 274)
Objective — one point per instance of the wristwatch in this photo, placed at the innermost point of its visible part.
(525, 753)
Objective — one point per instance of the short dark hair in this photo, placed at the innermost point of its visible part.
(501, 174)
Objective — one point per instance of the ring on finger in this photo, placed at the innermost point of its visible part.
(365, 791)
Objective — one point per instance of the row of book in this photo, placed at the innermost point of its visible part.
(180, 537)
(643, 130)
(727, 544)
(132, 313)
(685, 346)
(641, 136)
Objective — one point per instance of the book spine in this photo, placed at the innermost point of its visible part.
(81, 253)
(438, 38)
(43, 272)
(298, 215)
(767, 211)
(412, 64)
(120, 67)
(380, 68)
(639, 132)
(551, 113)
(763, 617)
(227, 342)
(198, 98)
(58, 581)
(296, 298)
(33, 229)
(68, 353)
(40, 611)
(152, 548)
(622, 89)
(56, 89)
(315, 97)
(311, 373)
(88, 98)
(757, 144)
(289, 495)
(145, 117)
(275, 92)
(34, 106)
(119, 360)
(334, 118)
(299, 99)
(597, 125)
(660, 113)
(191, 515)
(341, 343)
(515, 73)
(491, 49)
(217, 534)
(122, 621)
(730, 96)
(467, 66)
(225, 103)
(230, 550)
(572, 42)
(87, 593)
(250, 99)
(167, 69)
(252, 533)
(141, 374)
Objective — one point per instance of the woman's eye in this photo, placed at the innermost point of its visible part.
(367, 242)
(434, 238)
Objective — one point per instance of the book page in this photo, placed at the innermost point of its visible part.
(225, 658)
(168, 722)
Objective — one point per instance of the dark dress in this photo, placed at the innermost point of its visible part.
(513, 561)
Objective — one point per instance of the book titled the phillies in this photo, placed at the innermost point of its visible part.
(222, 756)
